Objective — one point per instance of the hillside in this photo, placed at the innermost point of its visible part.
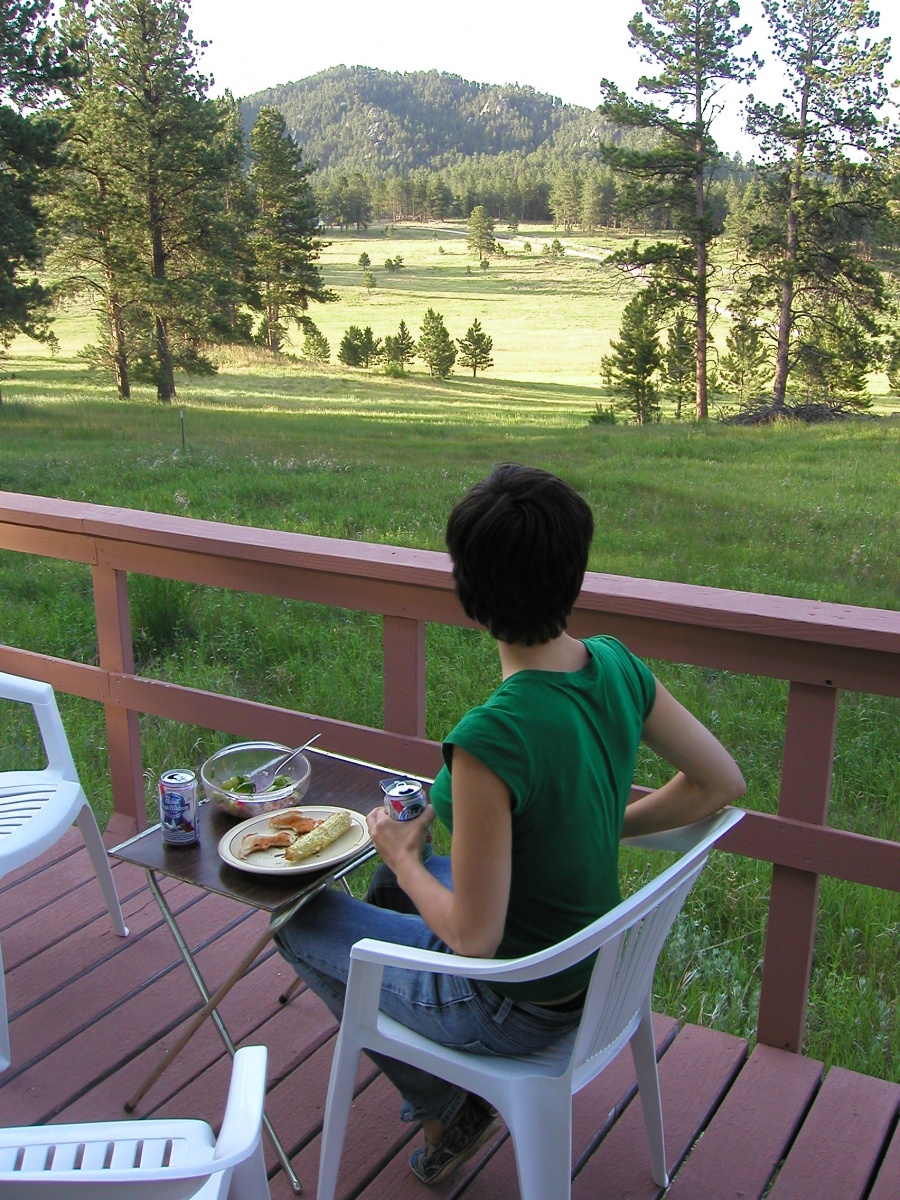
(362, 118)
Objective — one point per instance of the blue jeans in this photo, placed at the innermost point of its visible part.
(447, 1009)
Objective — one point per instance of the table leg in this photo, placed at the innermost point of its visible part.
(209, 1009)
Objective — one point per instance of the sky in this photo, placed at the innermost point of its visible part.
(564, 52)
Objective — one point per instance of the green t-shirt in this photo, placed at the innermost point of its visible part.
(565, 745)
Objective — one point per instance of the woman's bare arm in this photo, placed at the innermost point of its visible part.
(708, 777)
(471, 917)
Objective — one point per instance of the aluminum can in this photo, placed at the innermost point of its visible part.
(404, 799)
(178, 807)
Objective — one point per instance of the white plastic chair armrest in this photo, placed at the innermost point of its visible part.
(686, 837)
(694, 839)
(244, 1106)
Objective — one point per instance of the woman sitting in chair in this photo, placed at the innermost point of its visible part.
(535, 790)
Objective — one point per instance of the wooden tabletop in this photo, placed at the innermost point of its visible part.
(336, 782)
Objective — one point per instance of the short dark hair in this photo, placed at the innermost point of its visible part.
(520, 541)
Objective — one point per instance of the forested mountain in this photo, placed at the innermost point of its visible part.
(359, 118)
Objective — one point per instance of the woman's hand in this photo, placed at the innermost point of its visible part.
(471, 917)
(397, 841)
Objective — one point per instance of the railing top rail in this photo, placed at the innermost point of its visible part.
(681, 604)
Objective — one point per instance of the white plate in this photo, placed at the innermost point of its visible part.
(273, 862)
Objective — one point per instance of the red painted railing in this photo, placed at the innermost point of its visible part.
(819, 648)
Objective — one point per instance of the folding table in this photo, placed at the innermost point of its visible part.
(336, 782)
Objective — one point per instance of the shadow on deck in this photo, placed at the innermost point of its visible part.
(90, 1014)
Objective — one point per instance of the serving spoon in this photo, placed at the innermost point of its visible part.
(261, 777)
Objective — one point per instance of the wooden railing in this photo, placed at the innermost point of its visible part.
(819, 648)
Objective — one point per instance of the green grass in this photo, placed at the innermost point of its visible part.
(795, 511)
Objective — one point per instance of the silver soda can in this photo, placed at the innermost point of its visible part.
(404, 799)
(178, 807)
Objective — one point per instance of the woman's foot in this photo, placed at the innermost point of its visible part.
(475, 1124)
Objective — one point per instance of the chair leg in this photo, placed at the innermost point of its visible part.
(643, 1051)
(344, 1068)
(248, 1181)
(540, 1125)
(5, 1057)
(87, 823)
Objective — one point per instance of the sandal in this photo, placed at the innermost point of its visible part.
(475, 1124)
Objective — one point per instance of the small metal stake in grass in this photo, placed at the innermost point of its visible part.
(181, 419)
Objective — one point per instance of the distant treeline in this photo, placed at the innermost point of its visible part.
(426, 145)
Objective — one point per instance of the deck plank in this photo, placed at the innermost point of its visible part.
(741, 1148)
(887, 1183)
(840, 1168)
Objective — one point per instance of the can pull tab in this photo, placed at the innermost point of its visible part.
(400, 787)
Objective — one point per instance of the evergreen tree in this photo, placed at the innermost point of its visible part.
(480, 238)
(360, 347)
(679, 363)
(817, 144)
(892, 365)
(565, 199)
(315, 344)
(475, 349)
(174, 168)
(400, 349)
(637, 357)
(349, 351)
(435, 346)
(33, 62)
(833, 368)
(364, 261)
(285, 273)
(694, 45)
(747, 363)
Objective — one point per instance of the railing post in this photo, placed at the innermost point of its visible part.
(122, 732)
(805, 790)
(403, 646)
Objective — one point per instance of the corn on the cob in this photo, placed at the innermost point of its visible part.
(323, 835)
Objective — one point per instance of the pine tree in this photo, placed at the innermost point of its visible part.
(694, 44)
(315, 344)
(637, 357)
(435, 346)
(480, 237)
(285, 272)
(33, 62)
(747, 363)
(679, 363)
(175, 165)
(400, 349)
(360, 347)
(565, 199)
(475, 349)
(817, 144)
(349, 352)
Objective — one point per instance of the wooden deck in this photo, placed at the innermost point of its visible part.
(90, 1013)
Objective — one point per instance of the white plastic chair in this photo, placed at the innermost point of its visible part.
(147, 1160)
(37, 807)
(533, 1093)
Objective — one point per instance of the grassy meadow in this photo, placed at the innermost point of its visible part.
(808, 511)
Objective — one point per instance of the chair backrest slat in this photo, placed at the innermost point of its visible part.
(626, 963)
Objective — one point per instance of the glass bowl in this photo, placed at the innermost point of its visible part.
(243, 757)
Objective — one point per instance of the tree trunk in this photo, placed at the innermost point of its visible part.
(702, 333)
(701, 235)
(165, 371)
(785, 314)
(165, 380)
(117, 345)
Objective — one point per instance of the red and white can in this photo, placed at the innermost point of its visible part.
(178, 807)
(404, 799)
